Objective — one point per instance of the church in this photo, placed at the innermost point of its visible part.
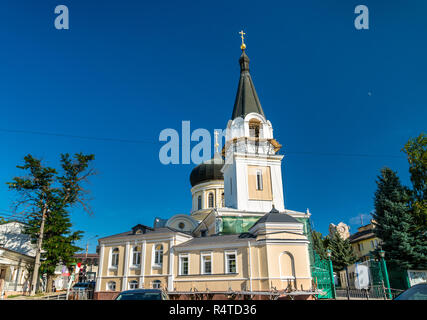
(238, 242)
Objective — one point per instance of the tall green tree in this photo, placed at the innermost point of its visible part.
(320, 244)
(49, 195)
(416, 151)
(58, 241)
(394, 221)
(342, 253)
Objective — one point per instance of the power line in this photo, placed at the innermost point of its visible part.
(74, 136)
(107, 139)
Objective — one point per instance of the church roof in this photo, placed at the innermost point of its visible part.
(148, 231)
(275, 216)
(247, 100)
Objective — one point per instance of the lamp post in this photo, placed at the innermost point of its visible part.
(384, 267)
(331, 272)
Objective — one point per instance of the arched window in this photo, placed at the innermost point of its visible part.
(158, 254)
(199, 202)
(287, 265)
(133, 284)
(222, 200)
(156, 284)
(136, 256)
(111, 286)
(211, 200)
(115, 257)
(254, 128)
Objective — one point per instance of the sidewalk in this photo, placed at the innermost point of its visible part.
(47, 296)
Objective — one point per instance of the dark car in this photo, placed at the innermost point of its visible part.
(84, 285)
(143, 294)
(417, 292)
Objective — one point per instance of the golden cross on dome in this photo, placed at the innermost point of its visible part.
(243, 46)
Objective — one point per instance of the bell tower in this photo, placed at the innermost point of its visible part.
(252, 169)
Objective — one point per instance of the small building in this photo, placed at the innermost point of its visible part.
(364, 241)
(17, 256)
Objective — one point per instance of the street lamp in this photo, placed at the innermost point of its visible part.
(384, 267)
(331, 274)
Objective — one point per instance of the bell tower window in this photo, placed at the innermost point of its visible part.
(254, 128)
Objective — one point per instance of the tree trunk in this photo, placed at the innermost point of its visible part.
(49, 283)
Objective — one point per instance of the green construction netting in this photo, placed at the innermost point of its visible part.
(233, 225)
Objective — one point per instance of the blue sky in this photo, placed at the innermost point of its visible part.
(342, 101)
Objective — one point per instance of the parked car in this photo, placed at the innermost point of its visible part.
(143, 294)
(417, 292)
(82, 291)
(84, 285)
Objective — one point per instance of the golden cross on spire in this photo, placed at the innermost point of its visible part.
(243, 46)
(216, 141)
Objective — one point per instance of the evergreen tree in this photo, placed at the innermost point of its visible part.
(50, 195)
(394, 221)
(319, 245)
(58, 241)
(342, 253)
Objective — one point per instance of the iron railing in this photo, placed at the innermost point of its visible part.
(372, 292)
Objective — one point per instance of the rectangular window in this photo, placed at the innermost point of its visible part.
(259, 180)
(207, 263)
(230, 262)
(136, 258)
(183, 265)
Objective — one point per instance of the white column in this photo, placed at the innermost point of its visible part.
(126, 267)
(100, 266)
(250, 266)
(141, 277)
(171, 260)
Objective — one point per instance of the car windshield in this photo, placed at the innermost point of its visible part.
(139, 296)
(81, 285)
(418, 292)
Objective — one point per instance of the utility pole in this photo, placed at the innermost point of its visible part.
(34, 282)
(87, 248)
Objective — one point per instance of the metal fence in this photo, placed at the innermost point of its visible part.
(60, 296)
(80, 294)
(370, 293)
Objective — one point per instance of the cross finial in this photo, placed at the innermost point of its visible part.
(216, 141)
(243, 46)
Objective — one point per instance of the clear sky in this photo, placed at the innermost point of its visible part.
(342, 101)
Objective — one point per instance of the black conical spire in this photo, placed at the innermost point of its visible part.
(246, 98)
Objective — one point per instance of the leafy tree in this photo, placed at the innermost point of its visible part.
(395, 223)
(49, 196)
(416, 151)
(342, 253)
